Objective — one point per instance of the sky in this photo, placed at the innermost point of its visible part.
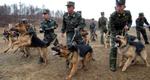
(90, 8)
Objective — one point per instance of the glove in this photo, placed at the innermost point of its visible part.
(76, 29)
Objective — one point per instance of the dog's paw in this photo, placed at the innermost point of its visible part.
(120, 65)
(123, 69)
(68, 78)
(147, 65)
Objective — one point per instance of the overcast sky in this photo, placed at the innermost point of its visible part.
(90, 8)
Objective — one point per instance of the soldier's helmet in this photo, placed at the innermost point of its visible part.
(70, 3)
(24, 21)
(45, 11)
(102, 13)
(141, 14)
(120, 2)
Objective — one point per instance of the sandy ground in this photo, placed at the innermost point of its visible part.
(14, 67)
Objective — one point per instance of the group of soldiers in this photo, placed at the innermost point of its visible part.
(119, 22)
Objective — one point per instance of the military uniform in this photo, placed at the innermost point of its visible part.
(117, 23)
(140, 27)
(93, 30)
(102, 22)
(83, 24)
(70, 23)
(48, 27)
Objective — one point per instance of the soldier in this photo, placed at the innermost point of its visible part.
(120, 21)
(140, 27)
(48, 26)
(93, 30)
(102, 22)
(72, 22)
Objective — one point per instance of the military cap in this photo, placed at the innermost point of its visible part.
(70, 3)
(45, 11)
(120, 2)
(141, 14)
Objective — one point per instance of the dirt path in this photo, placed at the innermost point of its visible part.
(14, 67)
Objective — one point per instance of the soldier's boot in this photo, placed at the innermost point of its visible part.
(145, 39)
(113, 65)
(102, 39)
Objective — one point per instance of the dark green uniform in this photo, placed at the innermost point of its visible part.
(70, 22)
(83, 24)
(116, 25)
(102, 22)
(92, 30)
(140, 28)
(48, 27)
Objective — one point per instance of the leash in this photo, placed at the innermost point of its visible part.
(76, 30)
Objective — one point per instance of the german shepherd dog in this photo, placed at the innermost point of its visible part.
(10, 36)
(25, 40)
(74, 58)
(85, 37)
(106, 40)
(129, 49)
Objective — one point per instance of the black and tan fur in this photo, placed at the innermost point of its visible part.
(128, 54)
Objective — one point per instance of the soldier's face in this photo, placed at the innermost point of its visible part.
(120, 8)
(70, 9)
(46, 16)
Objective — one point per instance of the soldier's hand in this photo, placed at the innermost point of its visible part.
(76, 29)
(62, 35)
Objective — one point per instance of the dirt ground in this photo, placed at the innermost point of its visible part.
(14, 67)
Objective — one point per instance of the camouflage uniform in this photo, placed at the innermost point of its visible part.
(48, 27)
(70, 23)
(102, 22)
(116, 25)
(93, 30)
(140, 27)
(83, 24)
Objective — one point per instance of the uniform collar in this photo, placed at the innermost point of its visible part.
(73, 14)
(48, 20)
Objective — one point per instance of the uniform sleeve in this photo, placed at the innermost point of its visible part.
(137, 22)
(111, 27)
(129, 23)
(63, 29)
(42, 26)
(99, 24)
(80, 22)
(55, 25)
(83, 24)
(146, 22)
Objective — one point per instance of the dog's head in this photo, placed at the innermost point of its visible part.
(121, 41)
(61, 50)
(20, 27)
(84, 32)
